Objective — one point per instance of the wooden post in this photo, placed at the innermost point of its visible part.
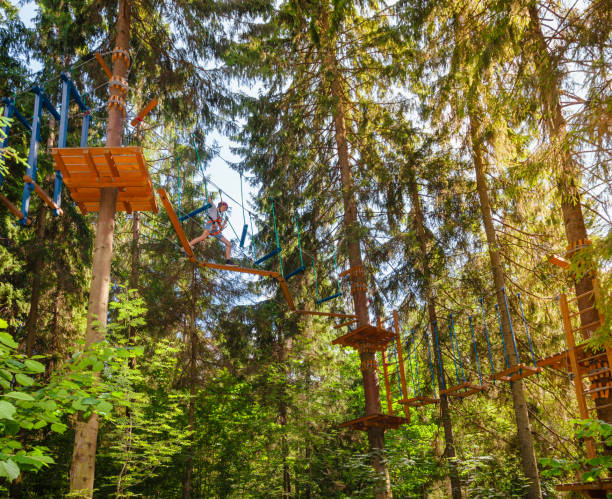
(571, 351)
(400, 358)
(387, 384)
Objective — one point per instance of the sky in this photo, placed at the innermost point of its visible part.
(218, 171)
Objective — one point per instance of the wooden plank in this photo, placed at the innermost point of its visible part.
(175, 222)
(43, 195)
(347, 323)
(13, 209)
(111, 164)
(578, 387)
(144, 112)
(104, 66)
(577, 487)
(234, 268)
(91, 164)
(559, 261)
(59, 162)
(285, 290)
(326, 314)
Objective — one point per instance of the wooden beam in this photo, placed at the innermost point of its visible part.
(43, 195)
(400, 359)
(175, 222)
(13, 209)
(235, 268)
(326, 314)
(111, 163)
(104, 66)
(559, 261)
(144, 112)
(285, 290)
(347, 323)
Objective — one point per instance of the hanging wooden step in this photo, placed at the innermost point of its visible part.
(375, 420)
(516, 372)
(599, 486)
(463, 390)
(419, 401)
(366, 338)
(86, 170)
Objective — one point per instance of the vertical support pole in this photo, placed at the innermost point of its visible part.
(571, 351)
(400, 355)
(85, 128)
(386, 372)
(32, 154)
(9, 108)
(61, 140)
(596, 301)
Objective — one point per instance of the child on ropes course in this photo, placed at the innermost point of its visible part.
(214, 227)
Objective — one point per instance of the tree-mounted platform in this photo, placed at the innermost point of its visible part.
(366, 338)
(463, 390)
(326, 314)
(516, 372)
(86, 170)
(375, 420)
(598, 486)
(420, 401)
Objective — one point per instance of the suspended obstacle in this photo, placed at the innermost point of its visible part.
(275, 251)
(372, 339)
(302, 267)
(513, 371)
(217, 266)
(419, 399)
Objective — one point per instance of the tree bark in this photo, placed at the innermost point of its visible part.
(530, 466)
(188, 484)
(419, 221)
(376, 436)
(82, 471)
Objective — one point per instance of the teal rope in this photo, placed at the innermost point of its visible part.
(280, 258)
(242, 200)
(200, 167)
(252, 237)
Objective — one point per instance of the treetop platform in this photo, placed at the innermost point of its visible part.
(375, 420)
(463, 390)
(366, 338)
(516, 372)
(420, 401)
(86, 170)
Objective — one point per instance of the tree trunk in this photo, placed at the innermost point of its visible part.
(82, 471)
(376, 436)
(571, 208)
(419, 221)
(31, 325)
(530, 467)
(188, 485)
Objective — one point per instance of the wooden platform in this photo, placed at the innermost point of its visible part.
(514, 373)
(463, 390)
(420, 401)
(601, 486)
(88, 169)
(375, 420)
(366, 337)
(326, 314)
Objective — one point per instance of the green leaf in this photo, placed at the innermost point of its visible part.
(3, 324)
(24, 379)
(8, 340)
(9, 469)
(47, 405)
(58, 427)
(89, 401)
(20, 396)
(98, 366)
(26, 425)
(7, 410)
(34, 366)
(104, 406)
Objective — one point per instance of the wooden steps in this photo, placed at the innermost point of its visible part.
(366, 337)
(377, 420)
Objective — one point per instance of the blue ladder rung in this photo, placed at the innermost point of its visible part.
(193, 213)
(297, 271)
(272, 253)
(323, 300)
(244, 234)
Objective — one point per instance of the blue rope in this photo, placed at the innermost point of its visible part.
(416, 363)
(527, 330)
(399, 383)
(442, 382)
(431, 368)
(484, 321)
(501, 333)
(475, 349)
(454, 357)
(518, 360)
(454, 338)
